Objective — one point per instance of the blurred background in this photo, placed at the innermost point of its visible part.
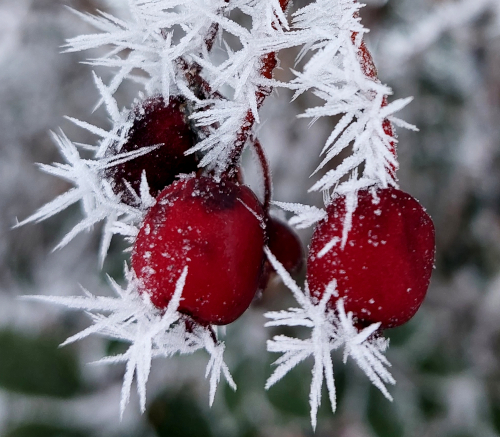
(446, 360)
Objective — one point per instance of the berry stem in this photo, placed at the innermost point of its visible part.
(268, 64)
(203, 90)
(200, 87)
(193, 70)
(369, 69)
(266, 174)
(211, 331)
(190, 323)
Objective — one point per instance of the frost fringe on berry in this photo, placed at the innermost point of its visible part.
(330, 331)
(132, 318)
(95, 193)
(339, 75)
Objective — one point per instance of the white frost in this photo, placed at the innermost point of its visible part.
(94, 192)
(331, 330)
(167, 38)
(132, 318)
(305, 215)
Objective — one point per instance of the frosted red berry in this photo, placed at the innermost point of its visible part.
(384, 270)
(214, 228)
(154, 122)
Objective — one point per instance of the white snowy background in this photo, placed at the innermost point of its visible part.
(446, 360)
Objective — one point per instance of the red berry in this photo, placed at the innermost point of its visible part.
(284, 4)
(285, 245)
(216, 229)
(384, 270)
(155, 123)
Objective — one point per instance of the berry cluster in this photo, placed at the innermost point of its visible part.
(216, 226)
(168, 177)
(219, 228)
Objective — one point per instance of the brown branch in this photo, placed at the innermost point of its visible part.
(266, 175)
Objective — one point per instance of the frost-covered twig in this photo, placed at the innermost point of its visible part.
(248, 72)
(151, 333)
(337, 73)
(146, 42)
(170, 40)
(331, 330)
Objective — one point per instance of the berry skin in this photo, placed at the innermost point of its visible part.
(285, 245)
(154, 123)
(384, 270)
(216, 229)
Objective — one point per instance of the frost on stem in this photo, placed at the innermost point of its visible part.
(167, 39)
(248, 73)
(337, 73)
(171, 65)
(170, 41)
(340, 72)
(132, 318)
(331, 330)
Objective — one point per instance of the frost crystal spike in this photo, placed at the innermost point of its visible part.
(132, 318)
(330, 331)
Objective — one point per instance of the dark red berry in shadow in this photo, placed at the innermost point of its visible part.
(214, 228)
(285, 245)
(154, 123)
(384, 270)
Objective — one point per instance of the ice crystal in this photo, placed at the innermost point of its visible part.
(95, 193)
(305, 215)
(169, 39)
(132, 318)
(331, 330)
(166, 38)
(336, 74)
